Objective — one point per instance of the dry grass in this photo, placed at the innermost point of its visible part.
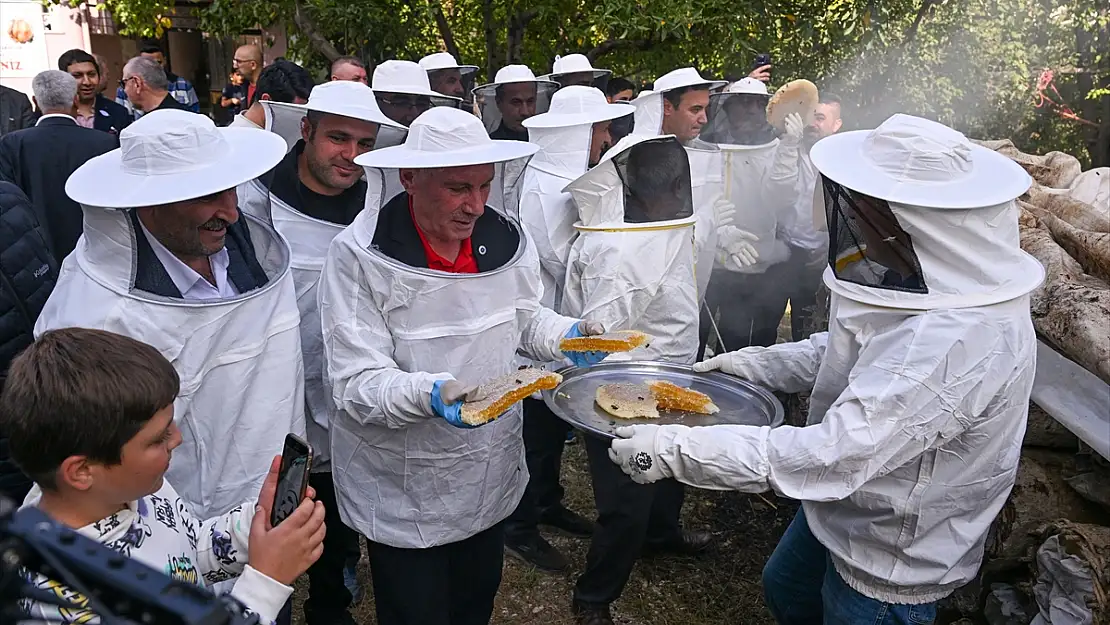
(720, 588)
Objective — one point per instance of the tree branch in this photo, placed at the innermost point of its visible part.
(320, 42)
(491, 38)
(445, 31)
(610, 45)
(515, 39)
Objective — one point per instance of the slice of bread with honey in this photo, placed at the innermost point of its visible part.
(610, 342)
(501, 393)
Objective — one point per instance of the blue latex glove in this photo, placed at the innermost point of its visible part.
(582, 359)
(450, 408)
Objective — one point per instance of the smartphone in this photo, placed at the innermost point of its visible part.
(296, 460)
(761, 60)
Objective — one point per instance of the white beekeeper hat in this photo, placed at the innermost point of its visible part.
(748, 85)
(918, 162)
(512, 74)
(577, 105)
(575, 64)
(685, 77)
(171, 156)
(404, 77)
(341, 97)
(446, 137)
(444, 60)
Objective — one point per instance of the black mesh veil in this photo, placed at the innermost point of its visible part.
(656, 179)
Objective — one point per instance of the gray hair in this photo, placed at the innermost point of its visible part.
(150, 71)
(54, 90)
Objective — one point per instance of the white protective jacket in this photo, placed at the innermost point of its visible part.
(707, 184)
(404, 476)
(793, 174)
(239, 359)
(761, 201)
(632, 276)
(916, 416)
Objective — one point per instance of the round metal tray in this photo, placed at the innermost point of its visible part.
(741, 402)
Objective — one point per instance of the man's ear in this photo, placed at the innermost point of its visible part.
(264, 96)
(408, 179)
(839, 123)
(668, 108)
(76, 473)
(306, 129)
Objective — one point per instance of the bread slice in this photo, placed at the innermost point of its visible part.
(610, 342)
(501, 393)
(796, 96)
(627, 401)
(673, 397)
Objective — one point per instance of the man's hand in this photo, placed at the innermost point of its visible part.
(633, 450)
(725, 212)
(580, 329)
(737, 245)
(285, 552)
(733, 363)
(761, 73)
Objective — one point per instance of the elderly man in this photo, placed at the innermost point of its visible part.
(248, 62)
(920, 387)
(403, 91)
(169, 259)
(39, 160)
(93, 110)
(446, 76)
(283, 81)
(572, 136)
(420, 298)
(181, 90)
(147, 88)
(514, 95)
(313, 193)
(349, 68)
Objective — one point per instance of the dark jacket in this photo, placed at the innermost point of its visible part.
(284, 182)
(27, 275)
(243, 268)
(110, 117)
(15, 111)
(39, 160)
(169, 102)
(494, 239)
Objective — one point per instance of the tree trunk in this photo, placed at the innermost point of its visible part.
(1097, 137)
(305, 24)
(515, 40)
(445, 31)
(492, 62)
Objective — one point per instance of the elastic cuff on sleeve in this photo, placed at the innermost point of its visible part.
(261, 594)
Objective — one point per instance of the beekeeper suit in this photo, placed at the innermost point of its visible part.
(575, 69)
(747, 301)
(400, 339)
(403, 91)
(565, 136)
(446, 76)
(920, 386)
(714, 214)
(514, 96)
(238, 352)
(628, 270)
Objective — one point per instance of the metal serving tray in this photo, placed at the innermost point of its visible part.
(741, 402)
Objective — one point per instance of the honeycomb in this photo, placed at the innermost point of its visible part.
(501, 393)
(610, 342)
(627, 401)
(673, 397)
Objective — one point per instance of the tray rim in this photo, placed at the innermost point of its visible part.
(571, 372)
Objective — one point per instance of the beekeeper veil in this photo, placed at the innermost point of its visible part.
(633, 264)
(738, 115)
(921, 218)
(404, 93)
(446, 76)
(514, 96)
(575, 69)
(238, 356)
(649, 105)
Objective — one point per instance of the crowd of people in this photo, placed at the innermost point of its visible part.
(349, 260)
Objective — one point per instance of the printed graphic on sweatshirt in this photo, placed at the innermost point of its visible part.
(182, 569)
(134, 538)
(68, 616)
(188, 522)
(164, 513)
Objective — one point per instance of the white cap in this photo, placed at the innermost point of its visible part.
(577, 105)
(685, 77)
(404, 77)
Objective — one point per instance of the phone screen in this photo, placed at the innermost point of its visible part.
(296, 459)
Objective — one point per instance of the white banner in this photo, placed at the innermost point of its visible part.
(22, 39)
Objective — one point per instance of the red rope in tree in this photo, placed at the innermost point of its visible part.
(1045, 82)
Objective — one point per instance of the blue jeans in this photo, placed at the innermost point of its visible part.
(801, 587)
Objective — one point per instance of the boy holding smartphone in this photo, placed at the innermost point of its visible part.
(90, 416)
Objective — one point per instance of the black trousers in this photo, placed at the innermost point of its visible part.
(749, 307)
(328, 598)
(804, 281)
(452, 584)
(629, 516)
(545, 437)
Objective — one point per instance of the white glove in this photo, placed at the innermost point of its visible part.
(590, 328)
(794, 127)
(737, 244)
(454, 391)
(733, 363)
(724, 212)
(633, 450)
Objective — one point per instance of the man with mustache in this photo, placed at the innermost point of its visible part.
(169, 259)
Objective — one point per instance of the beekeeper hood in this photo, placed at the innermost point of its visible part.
(575, 69)
(632, 266)
(392, 328)
(565, 137)
(403, 91)
(920, 218)
(239, 358)
(309, 237)
(738, 115)
(649, 108)
(446, 76)
(514, 95)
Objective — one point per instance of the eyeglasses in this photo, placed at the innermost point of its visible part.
(403, 102)
(123, 83)
(237, 61)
